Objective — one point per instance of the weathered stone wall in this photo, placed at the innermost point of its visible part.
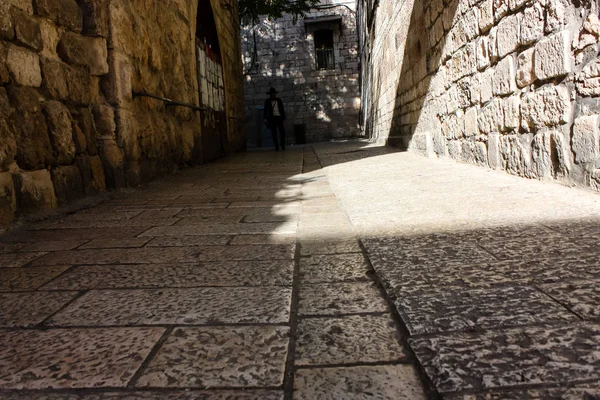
(50, 73)
(509, 84)
(325, 101)
(153, 51)
(144, 57)
(69, 125)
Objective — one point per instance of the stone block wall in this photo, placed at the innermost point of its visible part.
(50, 73)
(508, 84)
(143, 57)
(326, 102)
(69, 126)
(152, 50)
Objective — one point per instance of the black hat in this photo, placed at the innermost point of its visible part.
(272, 90)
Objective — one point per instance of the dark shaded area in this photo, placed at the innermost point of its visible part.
(214, 122)
(205, 26)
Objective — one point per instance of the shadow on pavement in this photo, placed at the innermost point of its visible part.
(325, 271)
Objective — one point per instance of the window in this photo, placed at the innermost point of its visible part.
(324, 49)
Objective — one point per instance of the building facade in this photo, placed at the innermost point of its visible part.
(83, 87)
(313, 64)
(508, 84)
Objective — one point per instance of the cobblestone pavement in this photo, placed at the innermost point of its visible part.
(335, 271)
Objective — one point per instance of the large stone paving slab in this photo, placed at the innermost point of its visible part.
(73, 358)
(333, 208)
(334, 268)
(53, 245)
(407, 277)
(164, 204)
(211, 221)
(189, 241)
(280, 194)
(178, 306)
(399, 252)
(209, 213)
(306, 226)
(206, 196)
(443, 309)
(581, 391)
(27, 309)
(583, 229)
(236, 197)
(219, 357)
(244, 240)
(308, 248)
(158, 213)
(151, 395)
(509, 358)
(157, 255)
(398, 382)
(115, 243)
(340, 298)
(339, 217)
(535, 247)
(583, 297)
(234, 273)
(142, 223)
(23, 279)
(106, 212)
(506, 233)
(347, 340)
(71, 234)
(266, 204)
(321, 202)
(10, 247)
(285, 228)
(16, 260)
(326, 233)
(262, 218)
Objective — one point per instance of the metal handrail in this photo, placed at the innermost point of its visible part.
(169, 102)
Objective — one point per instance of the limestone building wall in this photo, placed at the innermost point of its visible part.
(69, 125)
(509, 84)
(325, 101)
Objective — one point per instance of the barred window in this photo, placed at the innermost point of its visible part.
(324, 49)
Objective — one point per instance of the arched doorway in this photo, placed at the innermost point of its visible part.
(210, 84)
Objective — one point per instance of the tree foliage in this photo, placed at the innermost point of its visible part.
(251, 10)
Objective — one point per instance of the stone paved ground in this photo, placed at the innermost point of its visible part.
(337, 271)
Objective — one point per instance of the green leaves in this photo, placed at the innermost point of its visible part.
(251, 10)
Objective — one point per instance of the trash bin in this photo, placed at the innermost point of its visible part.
(300, 133)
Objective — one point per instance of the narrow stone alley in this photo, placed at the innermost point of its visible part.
(333, 271)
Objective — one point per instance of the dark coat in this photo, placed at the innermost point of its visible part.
(268, 113)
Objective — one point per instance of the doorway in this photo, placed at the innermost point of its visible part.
(210, 84)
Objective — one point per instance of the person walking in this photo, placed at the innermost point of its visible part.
(274, 116)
